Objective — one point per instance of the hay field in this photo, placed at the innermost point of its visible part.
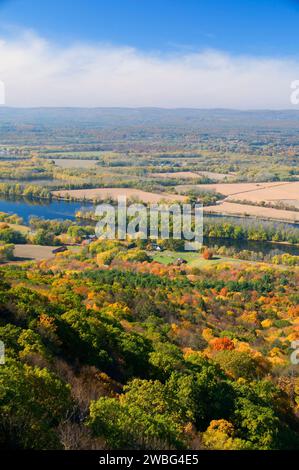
(177, 174)
(98, 194)
(233, 189)
(66, 163)
(194, 175)
(287, 193)
(230, 208)
(216, 176)
(33, 252)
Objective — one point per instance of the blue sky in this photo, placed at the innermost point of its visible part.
(260, 27)
(170, 53)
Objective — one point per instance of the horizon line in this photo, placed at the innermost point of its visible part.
(45, 107)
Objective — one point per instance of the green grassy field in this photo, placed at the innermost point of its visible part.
(193, 259)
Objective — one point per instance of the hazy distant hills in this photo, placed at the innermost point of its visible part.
(115, 117)
(141, 129)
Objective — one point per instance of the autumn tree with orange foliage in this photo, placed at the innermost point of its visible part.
(222, 344)
(207, 254)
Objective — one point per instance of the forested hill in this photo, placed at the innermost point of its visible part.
(142, 356)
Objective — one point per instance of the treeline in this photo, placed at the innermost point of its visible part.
(26, 169)
(9, 235)
(206, 198)
(11, 218)
(256, 231)
(6, 252)
(30, 191)
(250, 255)
(42, 231)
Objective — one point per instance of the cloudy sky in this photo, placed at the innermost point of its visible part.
(168, 53)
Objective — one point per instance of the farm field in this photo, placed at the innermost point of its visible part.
(287, 193)
(177, 174)
(235, 189)
(275, 193)
(74, 163)
(230, 208)
(105, 193)
(216, 176)
(33, 252)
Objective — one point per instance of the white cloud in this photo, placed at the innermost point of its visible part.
(38, 73)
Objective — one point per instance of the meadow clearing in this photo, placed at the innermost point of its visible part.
(193, 259)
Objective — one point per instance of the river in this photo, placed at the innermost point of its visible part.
(55, 209)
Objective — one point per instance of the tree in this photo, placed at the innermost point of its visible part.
(44, 237)
(258, 424)
(204, 394)
(220, 435)
(221, 344)
(9, 236)
(135, 350)
(33, 402)
(77, 232)
(165, 359)
(207, 254)
(6, 252)
(141, 419)
(239, 364)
